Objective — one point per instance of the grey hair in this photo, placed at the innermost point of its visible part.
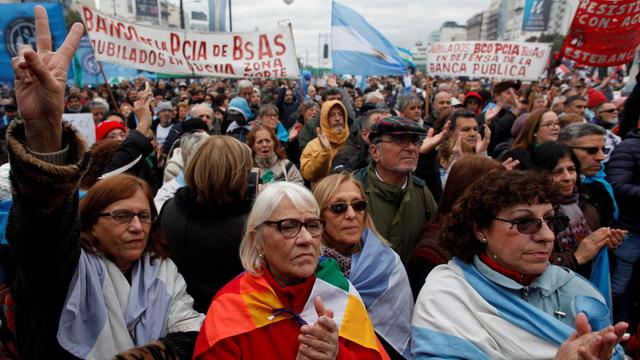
(574, 131)
(266, 203)
(405, 102)
(374, 94)
(366, 124)
(195, 108)
(245, 84)
(99, 102)
(189, 143)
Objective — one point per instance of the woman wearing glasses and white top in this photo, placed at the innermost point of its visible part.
(288, 304)
(366, 259)
(94, 284)
(499, 298)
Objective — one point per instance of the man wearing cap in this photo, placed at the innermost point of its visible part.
(399, 203)
(162, 125)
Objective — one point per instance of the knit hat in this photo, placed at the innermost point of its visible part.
(165, 105)
(595, 98)
(395, 125)
(105, 127)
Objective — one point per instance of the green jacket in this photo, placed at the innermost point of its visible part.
(398, 215)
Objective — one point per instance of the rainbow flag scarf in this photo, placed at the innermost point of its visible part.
(248, 303)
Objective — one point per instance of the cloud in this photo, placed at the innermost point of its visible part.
(402, 22)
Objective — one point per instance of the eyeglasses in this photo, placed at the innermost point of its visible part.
(531, 225)
(550, 124)
(290, 228)
(126, 216)
(404, 140)
(610, 111)
(591, 150)
(342, 207)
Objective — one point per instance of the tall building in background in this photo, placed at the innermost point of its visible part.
(451, 31)
(474, 27)
(562, 12)
(490, 19)
(124, 9)
(217, 15)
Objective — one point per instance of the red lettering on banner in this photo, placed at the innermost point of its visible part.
(88, 18)
(277, 40)
(174, 41)
(264, 49)
(220, 50)
(237, 47)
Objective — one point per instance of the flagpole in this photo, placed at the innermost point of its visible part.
(113, 99)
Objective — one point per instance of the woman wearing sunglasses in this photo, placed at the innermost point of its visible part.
(366, 259)
(288, 304)
(583, 239)
(91, 283)
(499, 298)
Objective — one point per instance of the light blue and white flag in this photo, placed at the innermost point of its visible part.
(407, 57)
(360, 49)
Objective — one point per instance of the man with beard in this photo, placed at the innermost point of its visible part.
(398, 202)
(607, 117)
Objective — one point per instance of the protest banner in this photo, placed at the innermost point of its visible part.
(259, 54)
(604, 33)
(492, 59)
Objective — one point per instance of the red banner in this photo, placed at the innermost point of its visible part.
(604, 32)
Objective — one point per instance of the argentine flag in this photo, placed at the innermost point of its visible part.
(358, 48)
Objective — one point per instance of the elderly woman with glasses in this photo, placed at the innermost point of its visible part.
(94, 282)
(499, 298)
(288, 304)
(366, 259)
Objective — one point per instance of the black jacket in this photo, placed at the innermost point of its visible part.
(623, 173)
(500, 129)
(204, 241)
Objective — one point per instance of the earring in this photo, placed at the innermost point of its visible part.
(494, 256)
(261, 256)
(484, 239)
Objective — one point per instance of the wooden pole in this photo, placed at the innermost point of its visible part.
(300, 91)
(113, 99)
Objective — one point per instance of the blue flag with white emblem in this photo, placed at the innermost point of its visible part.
(360, 49)
(17, 28)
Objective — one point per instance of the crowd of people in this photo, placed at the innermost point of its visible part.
(273, 219)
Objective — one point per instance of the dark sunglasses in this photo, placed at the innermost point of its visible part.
(531, 225)
(591, 150)
(611, 111)
(290, 228)
(126, 216)
(341, 207)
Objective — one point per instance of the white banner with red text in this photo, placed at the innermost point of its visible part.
(258, 54)
(488, 59)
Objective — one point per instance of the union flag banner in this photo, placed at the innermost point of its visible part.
(604, 33)
(258, 54)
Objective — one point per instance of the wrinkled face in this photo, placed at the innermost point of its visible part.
(124, 243)
(441, 102)
(412, 112)
(397, 153)
(565, 175)
(246, 93)
(270, 120)
(264, 145)
(576, 107)
(97, 112)
(205, 114)
(524, 253)
(165, 117)
(468, 127)
(589, 163)
(116, 134)
(548, 128)
(290, 260)
(539, 103)
(608, 113)
(342, 231)
(311, 91)
(336, 119)
(311, 113)
(288, 96)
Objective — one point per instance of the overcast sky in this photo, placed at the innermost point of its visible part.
(402, 21)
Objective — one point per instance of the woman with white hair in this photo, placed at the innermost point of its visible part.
(287, 304)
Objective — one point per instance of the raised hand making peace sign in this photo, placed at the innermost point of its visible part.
(40, 81)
